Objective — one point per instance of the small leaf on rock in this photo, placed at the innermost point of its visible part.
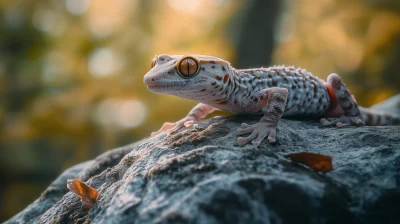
(87, 194)
(317, 162)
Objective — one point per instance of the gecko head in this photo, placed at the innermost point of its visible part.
(187, 76)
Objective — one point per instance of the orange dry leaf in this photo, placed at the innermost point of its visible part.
(87, 194)
(317, 162)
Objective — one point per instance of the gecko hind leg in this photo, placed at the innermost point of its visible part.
(350, 112)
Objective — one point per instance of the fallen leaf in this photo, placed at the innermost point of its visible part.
(87, 194)
(317, 162)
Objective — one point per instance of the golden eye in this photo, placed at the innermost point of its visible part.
(154, 62)
(188, 67)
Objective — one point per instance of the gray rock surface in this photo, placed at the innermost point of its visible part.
(391, 105)
(200, 175)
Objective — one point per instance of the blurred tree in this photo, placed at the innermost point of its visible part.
(71, 78)
(253, 33)
(21, 46)
(356, 39)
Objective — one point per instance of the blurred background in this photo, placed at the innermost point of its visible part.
(71, 71)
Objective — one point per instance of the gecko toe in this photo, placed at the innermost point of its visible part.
(244, 125)
(188, 123)
(359, 121)
(342, 121)
(154, 134)
(242, 131)
(166, 126)
(271, 139)
(256, 142)
(325, 122)
(272, 136)
(243, 140)
(174, 129)
(259, 132)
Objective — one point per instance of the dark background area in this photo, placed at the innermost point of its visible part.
(71, 71)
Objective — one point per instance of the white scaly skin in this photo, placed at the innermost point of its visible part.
(275, 92)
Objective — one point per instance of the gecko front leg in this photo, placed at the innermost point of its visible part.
(275, 99)
(198, 112)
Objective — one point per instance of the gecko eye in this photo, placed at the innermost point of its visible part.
(187, 67)
(154, 62)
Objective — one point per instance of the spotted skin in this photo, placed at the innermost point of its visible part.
(275, 92)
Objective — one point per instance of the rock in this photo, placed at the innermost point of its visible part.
(200, 175)
(391, 105)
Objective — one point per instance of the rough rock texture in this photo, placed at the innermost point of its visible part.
(200, 175)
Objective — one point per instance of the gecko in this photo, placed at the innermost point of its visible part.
(274, 92)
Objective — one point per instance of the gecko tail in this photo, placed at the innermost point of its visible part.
(377, 118)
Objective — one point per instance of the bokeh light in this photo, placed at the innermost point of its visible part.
(77, 7)
(120, 113)
(104, 62)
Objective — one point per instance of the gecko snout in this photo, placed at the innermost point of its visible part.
(149, 81)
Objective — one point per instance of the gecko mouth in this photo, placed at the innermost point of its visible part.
(163, 86)
(166, 84)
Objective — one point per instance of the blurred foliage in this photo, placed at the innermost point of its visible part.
(357, 39)
(71, 74)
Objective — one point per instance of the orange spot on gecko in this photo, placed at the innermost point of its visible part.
(226, 78)
(332, 96)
